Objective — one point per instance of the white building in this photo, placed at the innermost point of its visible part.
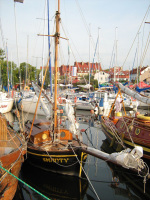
(101, 77)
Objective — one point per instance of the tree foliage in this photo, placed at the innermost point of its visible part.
(27, 72)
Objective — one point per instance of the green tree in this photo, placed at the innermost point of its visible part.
(28, 73)
(2, 54)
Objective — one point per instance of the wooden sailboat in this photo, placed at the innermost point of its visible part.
(54, 147)
(126, 131)
(50, 146)
(12, 149)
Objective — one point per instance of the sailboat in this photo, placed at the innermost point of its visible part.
(12, 149)
(54, 147)
(6, 102)
(125, 131)
(50, 146)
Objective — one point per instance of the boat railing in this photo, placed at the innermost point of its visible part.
(114, 131)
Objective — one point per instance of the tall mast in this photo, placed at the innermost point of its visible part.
(7, 68)
(57, 35)
(89, 54)
(115, 54)
(50, 70)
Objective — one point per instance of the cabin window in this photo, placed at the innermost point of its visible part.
(44, 136)
(62, 134)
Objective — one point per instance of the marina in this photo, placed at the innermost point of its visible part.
(108, 180)
(73, 131)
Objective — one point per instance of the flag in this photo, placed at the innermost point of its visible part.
(20, 1)
(74, 71)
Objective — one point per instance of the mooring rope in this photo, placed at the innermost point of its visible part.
(25, 183)
(85, 174)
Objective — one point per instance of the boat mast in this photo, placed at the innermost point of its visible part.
(57, 35)
(89, 54)
(7, 68)
(115, 54)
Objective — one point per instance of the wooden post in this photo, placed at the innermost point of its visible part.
(3, 128)
(114, 103)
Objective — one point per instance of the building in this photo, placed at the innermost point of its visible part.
(82, 69)
(101, 77)
(117, 74)
(140, 74)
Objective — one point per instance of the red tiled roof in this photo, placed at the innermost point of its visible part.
(134, 71)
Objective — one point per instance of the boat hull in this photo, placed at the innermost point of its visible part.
(8, 186)
(139, 139)
(84, 106)
(6, 105)
(62, 162)
(29, 105)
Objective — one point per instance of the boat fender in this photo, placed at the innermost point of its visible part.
(75, 100)
(133, 99)
(147, 118)
(19, 100)
(82, 130)
(12, 93)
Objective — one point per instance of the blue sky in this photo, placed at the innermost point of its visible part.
(78, 17)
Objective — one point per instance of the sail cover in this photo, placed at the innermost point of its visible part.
(134, 94)
(20, 1)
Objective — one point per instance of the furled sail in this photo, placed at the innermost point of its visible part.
(134, 94)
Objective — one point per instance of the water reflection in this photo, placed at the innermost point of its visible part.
(108, 180)
(52, 185)
(124, 182)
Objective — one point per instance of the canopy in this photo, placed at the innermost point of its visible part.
(140, 85)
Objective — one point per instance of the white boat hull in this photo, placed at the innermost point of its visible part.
(6, 105)
(29, 105)
(84, 106)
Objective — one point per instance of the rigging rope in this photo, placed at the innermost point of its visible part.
(145, 50)
(17, 44)
(73, 52)
(86, 175)
(136, 35)
(25, 183)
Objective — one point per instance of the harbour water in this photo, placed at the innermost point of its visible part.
(103, 180)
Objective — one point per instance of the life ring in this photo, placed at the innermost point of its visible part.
(75, 100)
(137, 131)
(147, 118)
(26, 88)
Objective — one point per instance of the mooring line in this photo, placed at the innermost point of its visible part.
(25, 183)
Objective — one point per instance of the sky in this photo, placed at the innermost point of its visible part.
(112, 32)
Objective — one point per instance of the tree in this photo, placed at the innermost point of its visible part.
(2, 54)
(28, 73)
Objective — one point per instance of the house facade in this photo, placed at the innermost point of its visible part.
(101, 77)
(140, 74)
(117, 74)
(81, 68)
